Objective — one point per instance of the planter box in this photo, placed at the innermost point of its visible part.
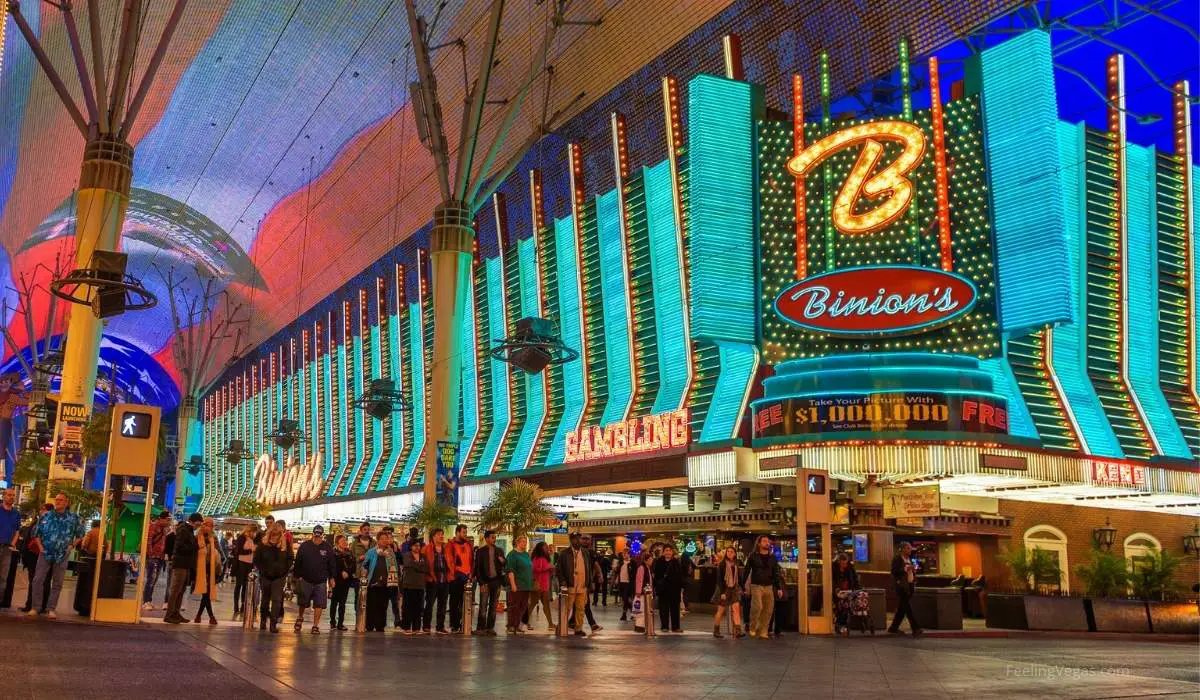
(1035, 612)
(938, 608)
(1116, 615)
(1174, 618)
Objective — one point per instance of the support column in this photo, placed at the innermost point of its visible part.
(451, 247)
(100, 213)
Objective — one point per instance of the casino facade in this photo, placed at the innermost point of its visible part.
(966, 296)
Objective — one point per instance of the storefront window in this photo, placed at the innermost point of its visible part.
(1138, 548)
(1052, 540)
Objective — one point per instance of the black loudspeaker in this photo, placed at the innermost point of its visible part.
(379, 409)
(286, 437)
(532, 327)
(531, 359)
(109, 266)
(236, 447)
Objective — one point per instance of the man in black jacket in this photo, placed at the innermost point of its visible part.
(489, 571)
(765, 584)
(904, 579)
(668, 586)
(574, 571)
(183, 563)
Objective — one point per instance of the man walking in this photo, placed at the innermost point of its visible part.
(10, 529)
(574, 571)
(58, 530)
(765, 581)
(156, 547)
(596, 583)
(489, 571)
(905, 579)
(183, 564)
(437, 582)
(460, 557)
(315, 568)
(363, 543)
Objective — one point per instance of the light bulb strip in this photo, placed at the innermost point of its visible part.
(1182, 117)
(800, 208)
(940, 170)
(826, 173)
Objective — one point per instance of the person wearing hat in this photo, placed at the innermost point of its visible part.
(315, 569)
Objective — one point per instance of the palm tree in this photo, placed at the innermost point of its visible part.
(516, 508)
(428, 517)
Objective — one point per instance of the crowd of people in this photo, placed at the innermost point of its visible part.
(425, 585)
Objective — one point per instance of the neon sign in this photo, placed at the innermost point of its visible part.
(889, 299)
(890, 181)
(296, 482)
(656, 433)
(1118, 474)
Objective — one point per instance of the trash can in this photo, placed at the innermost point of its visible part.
(83, 585)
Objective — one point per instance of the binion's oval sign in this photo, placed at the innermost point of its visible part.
(876, 300)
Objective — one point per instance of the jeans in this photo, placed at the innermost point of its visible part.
(395, 606)
(377, 605)
(56, 571)
(579, 601)
(904, 609)
(518, 602)
(205, 606)
(241, 574)
(153, 568)
(489, 598)
(272, 599)
(337, 613)
(413, 605)
(435, 594)
(5, 560)
(762, 607)
(626, 598)
(457, 587)
(540, 598)
(668, 609)
(175, 590)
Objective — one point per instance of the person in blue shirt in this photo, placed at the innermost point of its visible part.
(10, 528)
(58, 530)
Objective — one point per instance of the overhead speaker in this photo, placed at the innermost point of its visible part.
(379, 409)
(532, 359)
(109, 266)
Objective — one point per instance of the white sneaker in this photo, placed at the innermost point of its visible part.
(147, 606)
(52, 615)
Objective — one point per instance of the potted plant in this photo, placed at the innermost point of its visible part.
(432, 516)
(516, 509)
(1154, 581)
(1106, 579)
(1037, 603)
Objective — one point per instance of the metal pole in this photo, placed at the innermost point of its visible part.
(249, 601)
(51, 73)
(360, 602)
(152, 68)
(433, 111)
(468, 609)
(648, 610)
(89, 98)
(125, 49)
(562, 630)
(98, 64)
(474, 113)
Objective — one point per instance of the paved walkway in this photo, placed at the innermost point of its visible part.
(195, 661)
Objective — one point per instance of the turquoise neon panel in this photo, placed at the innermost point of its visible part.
(739, 362)
(377, 433)
(1020, 118)
(574, 381)
(535, 384)
(343, 428)
(1142, 308)
(327, 419)
(615, 298)
(1020, 422)
(416, 390)
(470, 377)
(1070, 340)
(314, 428)
(667, 280)
(499, 370)
(1195, 265)
(359, 417)
(721, 198)
(279, 412)
(397, 422)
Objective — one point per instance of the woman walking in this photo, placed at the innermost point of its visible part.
(383, 578)
(415, 570)
(541, 585)
(345, 572)
(728, 594)
(641, 580)
(243, 564)
(518, 569)
(624, 579)
(273, 564)
(208, 569)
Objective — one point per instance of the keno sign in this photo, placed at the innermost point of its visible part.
(1118, 474)
(882, 299)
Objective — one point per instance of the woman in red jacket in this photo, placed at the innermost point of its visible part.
(541, 584)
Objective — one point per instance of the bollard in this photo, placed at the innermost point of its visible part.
(468, 609)
(648, 611)
(250, 601)
(562, 630)
(360, 602)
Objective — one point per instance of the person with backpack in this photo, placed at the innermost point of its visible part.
(273, 562)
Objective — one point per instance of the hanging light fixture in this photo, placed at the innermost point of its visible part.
(1103, 537)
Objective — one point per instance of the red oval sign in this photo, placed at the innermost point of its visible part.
(882, 299)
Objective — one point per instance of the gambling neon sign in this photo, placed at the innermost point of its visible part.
(636, 436)
(890, 181)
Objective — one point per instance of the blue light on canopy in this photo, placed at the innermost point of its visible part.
(667, 274)
(574, 381)
(535, 384)
(615, 305)
(500, 370)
